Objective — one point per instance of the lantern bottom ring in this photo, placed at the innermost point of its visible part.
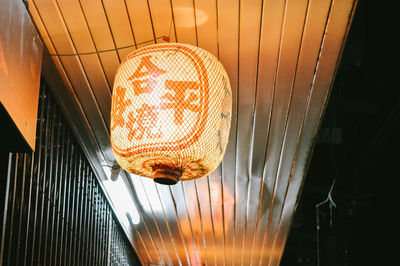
(167, 176)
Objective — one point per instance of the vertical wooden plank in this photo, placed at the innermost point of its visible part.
(96, 20)
(185, 225)
(193, 206)
(21, 192)
(53, 201)
(161, 14)
(270, 38)
(185, 22)
(9, 251)
(76, 111)
(293, 24)
(77, 29)
(151, 204)
(206, 218)
(159, 252)
(313, 31)
(4, 213)
(28, 206)
(173, 227)
(207, 25)
(73, 67)
(217, 212)
(141, 22)
(228, 30)
(50, 179)
(249, 32)
(335, 35)
(118, 19)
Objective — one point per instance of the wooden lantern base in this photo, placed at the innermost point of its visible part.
(167, 176)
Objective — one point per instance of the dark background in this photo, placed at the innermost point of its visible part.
(359, 147)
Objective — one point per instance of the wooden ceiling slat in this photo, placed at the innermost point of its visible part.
(41, 27)
(241, 212)
(167, 249)
(83, 42)
(74, 70)
(67, 98)
(109, 61)
(270, 41)
(102, 37)
(178, 234)
(77, 77)
(119, 22)
(121, 29)
(201, 30)
(184, 224)
(217, 208)
(148, 243)
(206, 218)
(271, 29)
(51, 17)
(293, 25)
(140, 244)
(250, 17)
(173, 226)
(141, 22)
(99, 85)
(207, 28)
(336, 31)
(157, 249)
(310, 46)
(76, 26)
(161, 14)
(184, 17)
(98, 25)
(228, 32)
(193, 206)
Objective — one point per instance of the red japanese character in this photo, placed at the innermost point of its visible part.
(145, 120)
(147, 84)
(180, 100)
(119, 107)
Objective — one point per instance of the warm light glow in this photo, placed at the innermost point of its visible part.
(171, 112)
(125, 208)
(147, 194)
(184, 17)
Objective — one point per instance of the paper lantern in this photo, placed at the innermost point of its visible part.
(171, 112)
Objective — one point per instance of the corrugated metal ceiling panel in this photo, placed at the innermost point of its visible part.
(281, 58)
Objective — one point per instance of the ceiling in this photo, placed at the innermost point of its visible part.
(363, 115)
(281, 57)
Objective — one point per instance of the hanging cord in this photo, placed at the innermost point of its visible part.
(114, 170)
(331, 203)
(164, 38)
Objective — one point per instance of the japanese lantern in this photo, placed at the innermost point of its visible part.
(171, 112)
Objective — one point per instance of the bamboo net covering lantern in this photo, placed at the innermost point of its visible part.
(171, 112)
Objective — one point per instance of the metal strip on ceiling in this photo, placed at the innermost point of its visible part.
(281, 58)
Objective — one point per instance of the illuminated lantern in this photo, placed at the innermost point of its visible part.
(171, 112)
